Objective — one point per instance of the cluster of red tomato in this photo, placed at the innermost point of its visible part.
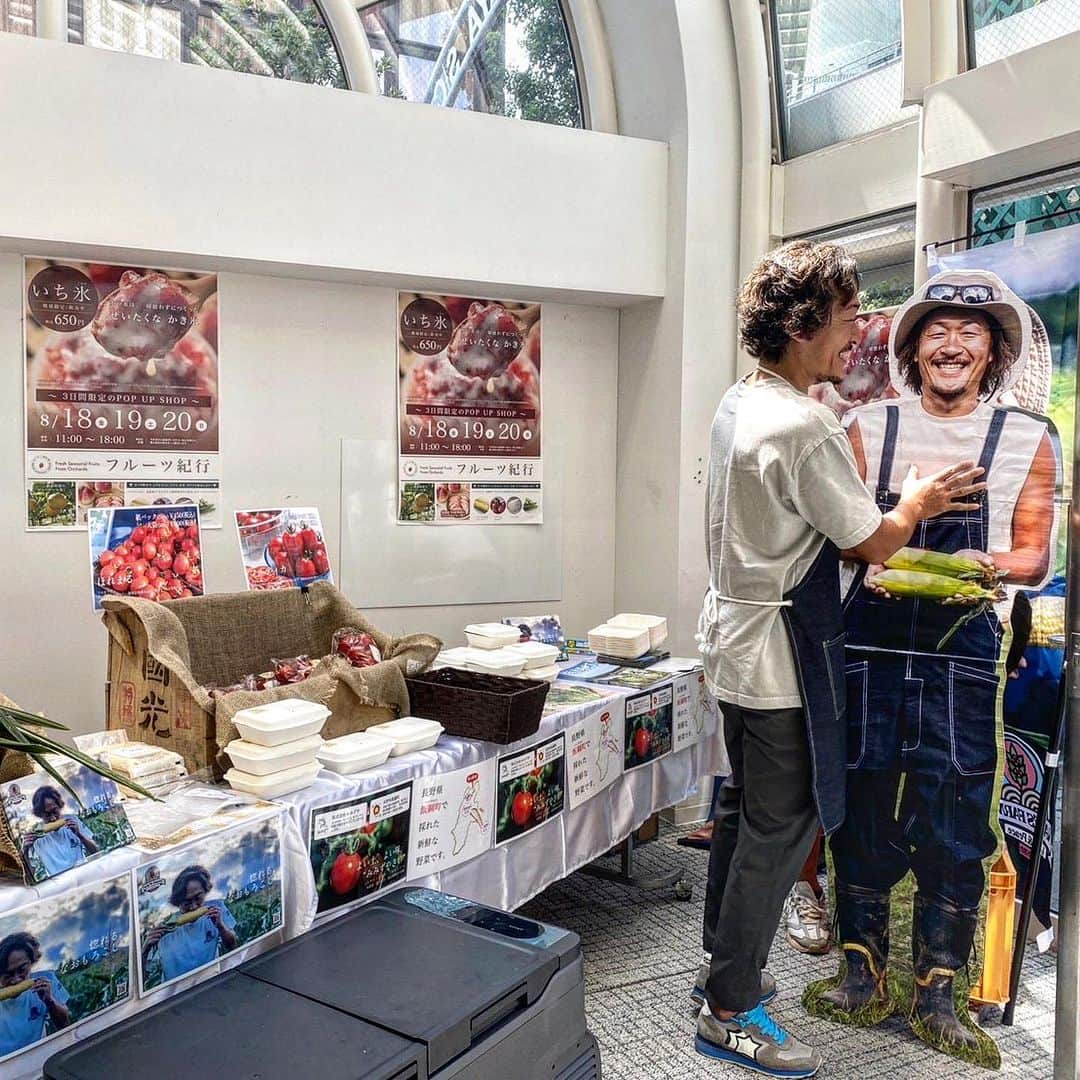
(159, 561)
(299, 553)
(357, 647)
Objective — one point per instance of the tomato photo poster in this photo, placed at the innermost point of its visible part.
(282, 548)
(121, 390)
(648, 727)
(154, 554)
(360, 847)
(531, 788)
(469, 411)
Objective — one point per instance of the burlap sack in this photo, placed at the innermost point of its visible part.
(12, 766)
(216, 640)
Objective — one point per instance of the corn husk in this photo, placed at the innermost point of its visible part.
(938, 562)
(920, 585)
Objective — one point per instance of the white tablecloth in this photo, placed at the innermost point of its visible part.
(505, 876)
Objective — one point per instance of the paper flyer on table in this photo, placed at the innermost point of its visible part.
(360, 847)
(469, 411)
(688, 717)
(207, 899)
(121, 390)
(531, 788)
(648, 727)
(70, 957)
(451, 821)
(595, 749)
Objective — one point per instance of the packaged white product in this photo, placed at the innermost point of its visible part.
(507, 662)
(542, 674)
(279, 783)
(264, 760)
(536, 653)
(281, 721)
(409, 734)
(355, 752)
(655, 624)
(139, 759)
(491, 635)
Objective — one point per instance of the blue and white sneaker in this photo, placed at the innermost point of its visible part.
(753, 1040)
(697, 995)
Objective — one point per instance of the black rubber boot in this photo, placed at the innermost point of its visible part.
(941, 939)
(863, 923)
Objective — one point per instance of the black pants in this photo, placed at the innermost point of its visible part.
(765, 822)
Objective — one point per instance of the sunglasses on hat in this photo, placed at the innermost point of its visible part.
(964, 294)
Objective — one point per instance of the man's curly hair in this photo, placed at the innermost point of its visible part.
(791, 293)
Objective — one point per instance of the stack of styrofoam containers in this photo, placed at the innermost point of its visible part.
(153, 768)
(278, 750)
(491, 635)
(629, 636)
(355, 752)
(539, 660)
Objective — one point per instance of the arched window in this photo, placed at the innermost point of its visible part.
(510, 57)
(283, 39)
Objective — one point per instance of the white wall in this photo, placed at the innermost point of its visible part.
(212, 168)
(304, 364)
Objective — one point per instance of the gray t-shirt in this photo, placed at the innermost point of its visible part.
(782, 478)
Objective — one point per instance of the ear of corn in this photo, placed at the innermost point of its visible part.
(938, 562)
(925, 586)
(188, 917)
(50, 826)
(9, 992)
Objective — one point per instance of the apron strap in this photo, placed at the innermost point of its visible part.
(993, 437)
(888, 451)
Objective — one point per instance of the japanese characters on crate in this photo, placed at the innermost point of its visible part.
(924, 631)
(282, 548)
(359, 847)
(207, 899)
(154, 554)
(531, 788)
(121, 390)
(60, 825)
(648, 733)
(451, 821)
(63, 959)
(469, 450)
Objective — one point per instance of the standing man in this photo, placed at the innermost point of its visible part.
(921, 703)
(784, 497)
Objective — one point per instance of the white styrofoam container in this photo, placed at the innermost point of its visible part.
(280, 722)
(548, 673)
(409, 734)
(536, 653)
(355, 752)
(506, 662)
(655, 624)
(491, 635)
(274, 784)
(263, 760)
(455, 658)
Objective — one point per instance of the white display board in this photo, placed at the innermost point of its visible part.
(384, 564)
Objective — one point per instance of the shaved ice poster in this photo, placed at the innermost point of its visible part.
(121, 390)
(468, 411)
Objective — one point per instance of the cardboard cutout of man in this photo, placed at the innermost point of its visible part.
(920, 711)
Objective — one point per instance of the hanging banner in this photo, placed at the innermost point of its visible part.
(67, 958)
(469, 411)
(121, 390)
(208, 899)
(531, 788)
(648, 727)
(595, 748)
(360, 847)
(451, 822)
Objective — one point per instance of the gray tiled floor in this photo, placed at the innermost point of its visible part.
(641, 950)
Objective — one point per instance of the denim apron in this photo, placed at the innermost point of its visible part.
(902, 635)
(815, 627)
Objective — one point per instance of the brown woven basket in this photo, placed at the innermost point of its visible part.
(476, 706)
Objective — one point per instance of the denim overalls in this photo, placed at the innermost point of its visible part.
(930, 715)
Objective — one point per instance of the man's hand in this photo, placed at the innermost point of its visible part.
(942, 491)
(980, 557)
(871, 572)
(43, 988)
(214, 915)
